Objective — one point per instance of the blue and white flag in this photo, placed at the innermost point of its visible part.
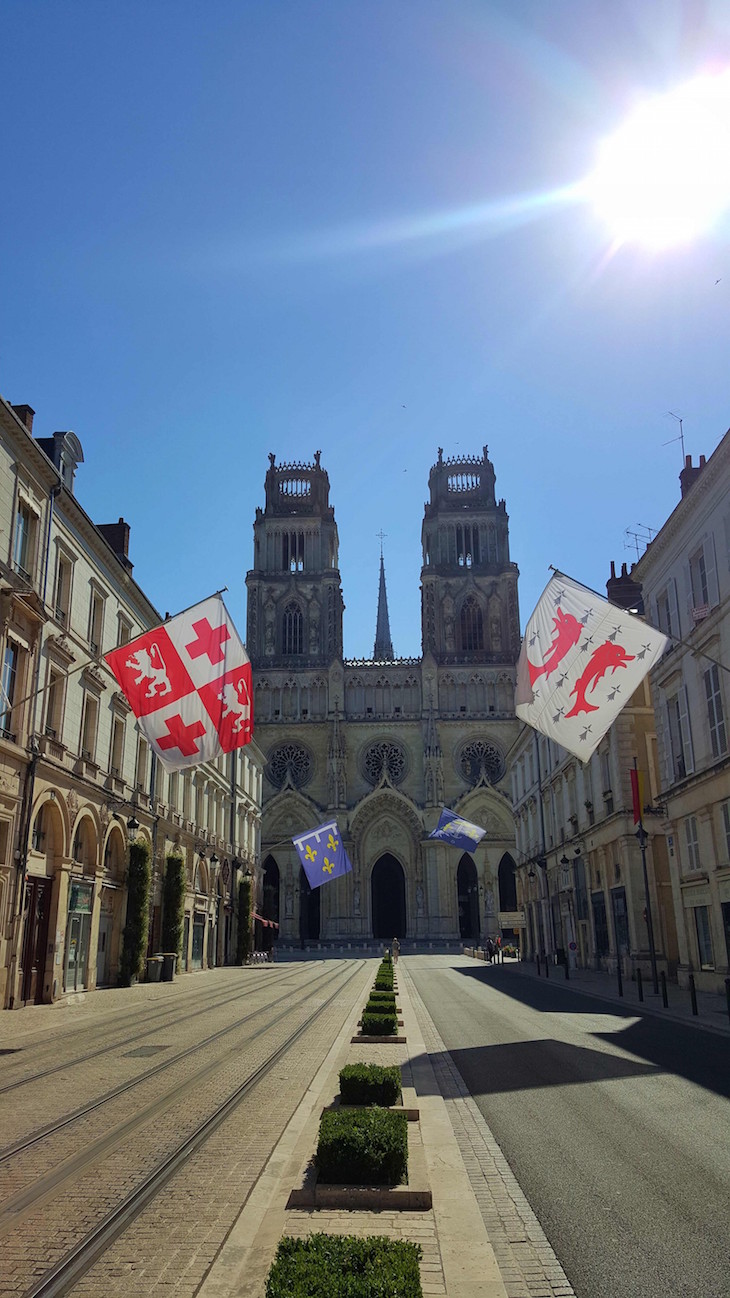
(322, 854)
(460, 833)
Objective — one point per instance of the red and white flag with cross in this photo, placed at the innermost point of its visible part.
(188, 683)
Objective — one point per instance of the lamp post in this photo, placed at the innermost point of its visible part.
(132, 828)
(643, 837)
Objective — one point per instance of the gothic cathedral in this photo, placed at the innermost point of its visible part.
(381, 745)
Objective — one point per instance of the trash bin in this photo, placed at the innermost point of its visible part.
(169, 960)
(154, 968)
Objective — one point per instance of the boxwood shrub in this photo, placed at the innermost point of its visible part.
(385, 997)
(380, 1007)
(362, 1147)
(383, 984)
(378, 1025)
(370, 1084)
(341, 1266)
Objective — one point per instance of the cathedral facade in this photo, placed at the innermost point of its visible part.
(381, 745)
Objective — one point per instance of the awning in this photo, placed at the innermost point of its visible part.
(267, 923)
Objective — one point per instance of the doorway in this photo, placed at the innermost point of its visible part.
(308, 910)
(37, 910)
(388, 894)
(468, 897)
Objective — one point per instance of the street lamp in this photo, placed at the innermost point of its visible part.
(213, 859)
(132, 828)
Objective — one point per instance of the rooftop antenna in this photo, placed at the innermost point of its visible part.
(681, 433)
(639, 538)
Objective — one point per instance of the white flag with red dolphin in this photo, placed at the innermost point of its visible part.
(188, 683)
(581, 660)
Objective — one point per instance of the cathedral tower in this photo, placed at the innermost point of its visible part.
(294, 592)
(469, 610)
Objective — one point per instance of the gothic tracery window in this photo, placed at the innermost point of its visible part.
(471, 624)
(292, 639)
(384, 757)
(290, 760)
(478, 759)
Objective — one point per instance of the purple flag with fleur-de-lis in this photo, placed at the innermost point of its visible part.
(322, 854)
(581, 660)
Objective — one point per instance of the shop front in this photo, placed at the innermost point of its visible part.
(78, 933)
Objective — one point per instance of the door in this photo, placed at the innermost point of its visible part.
(37, 910)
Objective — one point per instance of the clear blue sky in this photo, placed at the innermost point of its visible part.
(289, 225)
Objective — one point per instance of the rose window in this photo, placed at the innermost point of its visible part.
(481, 760)
(384, 758)
(292, 761)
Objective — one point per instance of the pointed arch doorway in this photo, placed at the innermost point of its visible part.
(308, 910)
(388, 898)
(468, 894)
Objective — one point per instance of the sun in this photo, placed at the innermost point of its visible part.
(663, 178)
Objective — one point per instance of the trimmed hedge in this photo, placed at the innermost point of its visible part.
(365, 1147)
(370, 1084)
(378, 1025)
(384, 997)
(377, 1007)
(341, 1266)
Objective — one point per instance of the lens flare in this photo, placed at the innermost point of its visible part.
(664, 177)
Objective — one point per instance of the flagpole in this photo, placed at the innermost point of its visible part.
(698, 653)
(642, 836)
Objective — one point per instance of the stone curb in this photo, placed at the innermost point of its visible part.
(360, 1039)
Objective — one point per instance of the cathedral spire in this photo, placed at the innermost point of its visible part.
(383, 651)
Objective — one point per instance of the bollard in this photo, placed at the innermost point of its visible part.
(547, 967)
(537, 962)
(693, 994)
(567, 968)
(727, 995)
(665, 998)
(639, 985)
(620, 978)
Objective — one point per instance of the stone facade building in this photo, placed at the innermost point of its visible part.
(381, 745)
(74, 770)
(685, 578)
(580, 877)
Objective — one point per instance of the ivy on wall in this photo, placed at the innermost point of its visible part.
(173, 904)
(134, 941)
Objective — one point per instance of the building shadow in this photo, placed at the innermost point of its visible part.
(666, 1045)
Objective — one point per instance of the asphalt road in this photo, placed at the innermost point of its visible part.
(616, 1126)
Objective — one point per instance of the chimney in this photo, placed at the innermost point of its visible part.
(689, 473)
(624, 591)
(25, 415)
(117, 536)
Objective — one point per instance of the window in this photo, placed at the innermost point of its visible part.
(38, 835)
(704, 937)
(54, 704)
(292, 629)
(471, 625)
(96, 621)
(293, 551)
(692, 841)
(24, 545)
(64, 573)
(681, 752)
(172, 791)
(667, 610)
(702, 580)
(124, 630)
(8, 685)
(141, 773)
(716, 716)
(725, 812)
(116, 760)
(90, 717)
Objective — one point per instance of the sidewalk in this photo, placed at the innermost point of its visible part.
(712, 1010)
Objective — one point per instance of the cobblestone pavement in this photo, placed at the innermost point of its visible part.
(170, 1246)
(527, 1263)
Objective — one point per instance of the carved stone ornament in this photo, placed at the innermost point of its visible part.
(93, 678)
(60, 649)
(72, 801)
(387, 829)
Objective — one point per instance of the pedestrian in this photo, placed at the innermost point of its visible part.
(396, 950)
(490, 950)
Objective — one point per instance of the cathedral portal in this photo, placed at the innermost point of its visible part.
(388, 890)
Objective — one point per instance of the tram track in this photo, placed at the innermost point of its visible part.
(85, 1251)
(17, 1202)
(157, 1026)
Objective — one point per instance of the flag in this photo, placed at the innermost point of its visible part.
(322, 854)
(637, 794)
(581, 660)
(188, 683)
(459, 833)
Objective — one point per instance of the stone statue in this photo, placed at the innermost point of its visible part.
(356, 900)
(419, 898)
(289, 901)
